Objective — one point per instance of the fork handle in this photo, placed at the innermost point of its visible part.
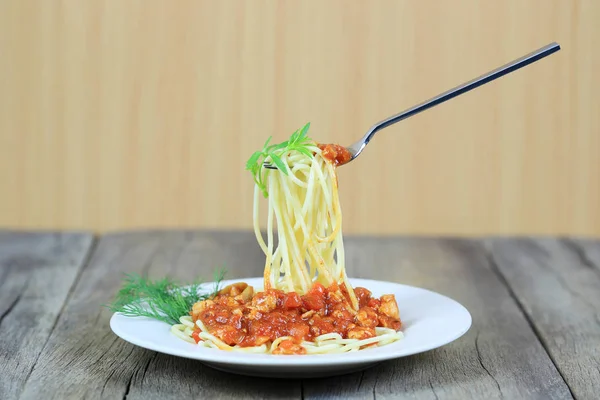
(465, 87)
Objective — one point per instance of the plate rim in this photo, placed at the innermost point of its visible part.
(208, 355)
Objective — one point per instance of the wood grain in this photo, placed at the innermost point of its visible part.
(83, 358)
(141, 114)
(37, 271)
(588, 251)
(500, 357)
(557, 284)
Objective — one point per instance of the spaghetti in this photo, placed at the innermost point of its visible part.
(308, 305)
(329, 343)
(306, 205)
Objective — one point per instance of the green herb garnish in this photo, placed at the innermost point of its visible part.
(299, 142)
(164, 300)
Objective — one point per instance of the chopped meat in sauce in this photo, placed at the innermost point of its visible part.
(361, 333)
(243, 320)
(335, 153)
(389, 307)
(289, 347)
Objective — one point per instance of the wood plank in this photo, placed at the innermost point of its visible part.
(588, 251)
(499, 357)
(37, 271)
(83, 358)
(557, 284)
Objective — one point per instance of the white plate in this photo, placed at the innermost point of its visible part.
(429, 320)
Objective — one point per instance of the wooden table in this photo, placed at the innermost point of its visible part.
(535, 306)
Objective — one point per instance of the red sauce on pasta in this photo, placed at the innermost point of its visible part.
(335, 153)
(239, 318)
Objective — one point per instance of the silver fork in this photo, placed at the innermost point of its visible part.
(357, 148)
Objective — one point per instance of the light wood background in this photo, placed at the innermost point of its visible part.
(128, 114)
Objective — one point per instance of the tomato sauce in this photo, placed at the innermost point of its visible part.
(239, 317)
(335, 153)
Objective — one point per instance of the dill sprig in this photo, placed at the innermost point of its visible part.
(164, 300)
(299, 141)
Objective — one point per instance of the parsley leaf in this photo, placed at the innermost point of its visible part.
(271, 154)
